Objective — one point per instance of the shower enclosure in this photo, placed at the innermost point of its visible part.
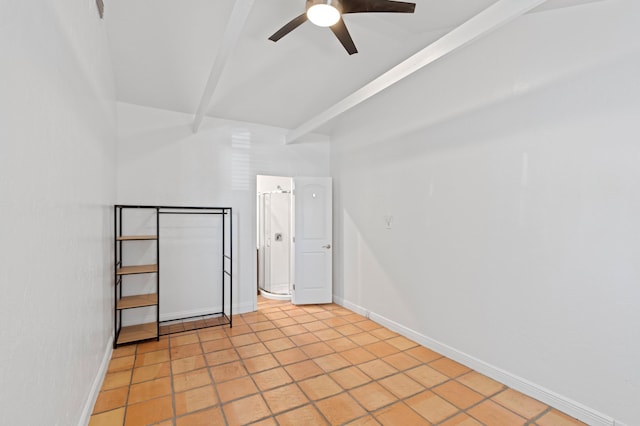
(274, 236)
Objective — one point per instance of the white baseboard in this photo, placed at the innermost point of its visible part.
(97, 384)
(351, 306)
(562, 403)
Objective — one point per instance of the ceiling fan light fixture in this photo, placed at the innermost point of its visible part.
(324, 13)
(328, 13)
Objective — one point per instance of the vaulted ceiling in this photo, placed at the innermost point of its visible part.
(163, 52)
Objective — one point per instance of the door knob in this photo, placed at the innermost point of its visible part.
(328, 246)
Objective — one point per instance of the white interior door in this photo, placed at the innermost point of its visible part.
(313, 241)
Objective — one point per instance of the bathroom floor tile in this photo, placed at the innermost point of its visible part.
(320, 387)
(306, 415)
(340, 409)
(151, 411)
(285, 398)
(373, 396)
(149, 390)
(237, 388)
(481, 383)
(298, 365)
(108, 418)
(246, 410)
(195, 399)
(400, 414)
(350, 377)
(431, 406)
(111, 399)
(488, 412)
(303, 370)
(520, 403)
(271, 378)
(457, 394)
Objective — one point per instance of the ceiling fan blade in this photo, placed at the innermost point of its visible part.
(290, 26)
(362, 6)
(340, 30)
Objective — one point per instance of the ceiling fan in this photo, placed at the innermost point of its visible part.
(328, 13)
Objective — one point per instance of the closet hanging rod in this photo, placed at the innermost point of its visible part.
(129, 206)
(192, 213)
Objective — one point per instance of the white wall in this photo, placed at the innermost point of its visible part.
(273, 183)
(161, 162)
(57, 182)
(511, 169)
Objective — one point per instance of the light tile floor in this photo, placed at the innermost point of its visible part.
(303, 365)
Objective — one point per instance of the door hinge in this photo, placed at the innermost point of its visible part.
(294, 287)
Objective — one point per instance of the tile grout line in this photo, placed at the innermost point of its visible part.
(171, 381)
(351, 364)
(327, 373)
(311, 401)
(398, 371)
(455, 379)
(251, 378)
(535, 419)
(301, 318)
(126, 404)
(279, 365)
(213, 381)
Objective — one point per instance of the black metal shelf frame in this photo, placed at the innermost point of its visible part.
(227, 267)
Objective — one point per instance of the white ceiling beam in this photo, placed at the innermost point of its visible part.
(495, 16)
(237, 20)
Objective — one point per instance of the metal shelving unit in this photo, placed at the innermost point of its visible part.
(152, 330)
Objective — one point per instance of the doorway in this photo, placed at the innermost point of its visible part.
(294, 238)
(275, 236)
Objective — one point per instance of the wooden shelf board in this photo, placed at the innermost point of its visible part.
(137, 332)
(137, 269)
(138, 301)
(136, 237)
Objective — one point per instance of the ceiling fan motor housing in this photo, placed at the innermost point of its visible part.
(335, 3)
